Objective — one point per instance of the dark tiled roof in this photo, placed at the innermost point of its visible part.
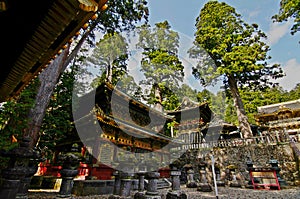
(32, 32)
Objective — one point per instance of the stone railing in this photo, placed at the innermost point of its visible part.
(235, 142)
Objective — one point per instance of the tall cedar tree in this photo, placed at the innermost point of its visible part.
(236, 52)
(289, 9)
(160, 63)
(110, 56)
(120, 15)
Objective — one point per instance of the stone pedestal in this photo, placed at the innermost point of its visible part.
(123, 184)
(249, 164)
(10, 183)
(126, 182)
(67, 182)
(220, 182)
(135, 184)
(190, 179)
(176, 193)
(23, 187)
(69, 171)
(141, 190)
(204, 186)
(117, 183)
(16, 178)
(152, 192)
(25, 182)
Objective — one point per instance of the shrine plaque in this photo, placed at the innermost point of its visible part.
(106, 154)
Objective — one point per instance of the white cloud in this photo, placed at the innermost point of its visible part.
(291, 69)
(277, 31)
(254, 13)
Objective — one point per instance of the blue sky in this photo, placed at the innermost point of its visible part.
(285, 48)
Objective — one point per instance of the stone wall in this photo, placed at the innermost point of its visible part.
(237, 156)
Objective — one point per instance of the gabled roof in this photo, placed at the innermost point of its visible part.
(190, 109)
(32, 32)
(292, 105)
(186, 103)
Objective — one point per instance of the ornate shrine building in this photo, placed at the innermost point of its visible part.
(280, 121)
(190, 118)
(110, 122)
(197, 126)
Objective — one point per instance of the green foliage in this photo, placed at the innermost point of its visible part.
(294, 94)
(231, 49)
(187, 91)
(110, 55)
(160, 63)
(289, 9)
(128, 85)
(216, 102)
(234, 48)
(255, 98)
(121, 15)
(13, 114)
(58, 125)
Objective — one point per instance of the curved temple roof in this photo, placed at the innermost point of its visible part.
(32, 32)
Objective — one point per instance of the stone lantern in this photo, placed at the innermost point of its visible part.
(190, 176)
(203, 185)
(175, 193)
(249, 164)
(69, 171)
(123, 176)
(22, 166)
(274, 164)
(141, 176)
(234, 182)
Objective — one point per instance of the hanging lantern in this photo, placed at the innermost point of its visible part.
(3, 5)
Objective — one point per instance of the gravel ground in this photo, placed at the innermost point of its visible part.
(228, 193)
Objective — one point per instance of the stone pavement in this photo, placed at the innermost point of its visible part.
(224, 193)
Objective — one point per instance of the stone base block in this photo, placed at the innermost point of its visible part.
(249, 186)
(220, 183)
(9, 188)
(63, 196)
(176, 195)
(283, 184)
(151, 197)
(118, 197)
(22, 196)
(114, 197)
(297, 183)
(139, 195)
(235, 184)
(191, 185)
(204, 187)
(92, 187)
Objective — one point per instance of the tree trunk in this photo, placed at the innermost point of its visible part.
(109, 73)
(241, 113)
(48, 79)
(158, 98)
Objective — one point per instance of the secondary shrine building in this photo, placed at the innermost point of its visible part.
(280, 121)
